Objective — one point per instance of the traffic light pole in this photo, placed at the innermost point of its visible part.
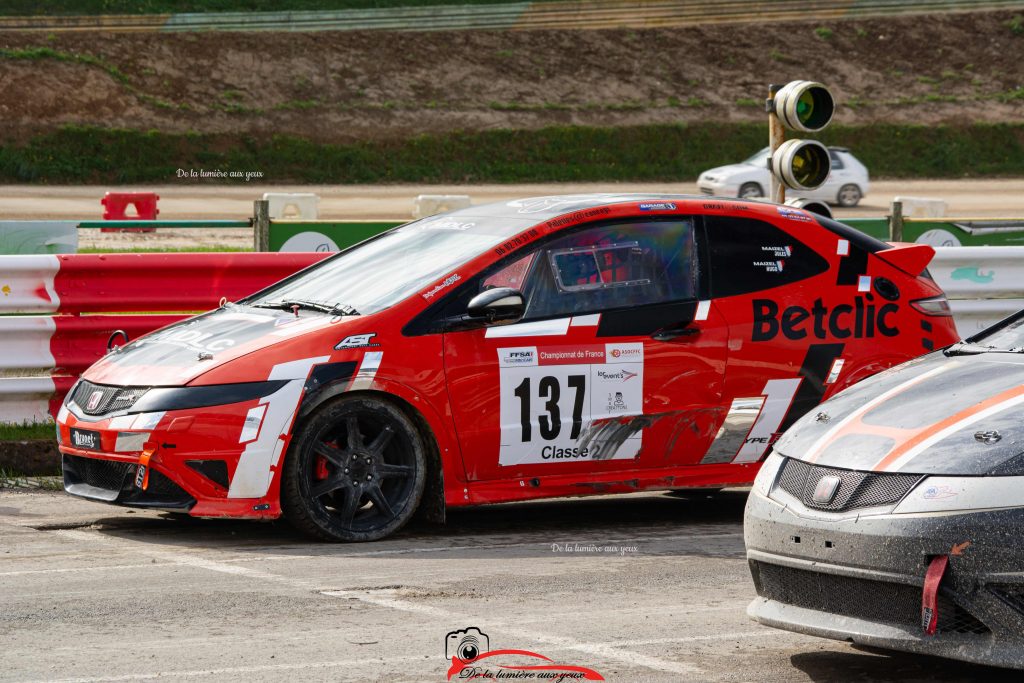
(776, 136)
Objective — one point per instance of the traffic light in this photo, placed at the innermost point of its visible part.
(812, 205)
(807, 107)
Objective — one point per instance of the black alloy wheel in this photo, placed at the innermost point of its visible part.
(355, 472)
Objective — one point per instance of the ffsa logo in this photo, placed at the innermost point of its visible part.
(862, 319)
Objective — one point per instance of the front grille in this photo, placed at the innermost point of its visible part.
(109, 399)
(108, 475)
(118, 480)
(856, 489)
(879, 601)
(1011, 594)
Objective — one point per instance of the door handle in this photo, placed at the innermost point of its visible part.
(675, 333)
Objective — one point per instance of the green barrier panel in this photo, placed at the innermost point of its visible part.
(38, 237)
(324, 235)
(949, 232)
(876, 227)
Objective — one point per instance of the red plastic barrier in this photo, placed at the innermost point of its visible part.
(81, 340)
(168, 282)
(116, 208)
(125, 283)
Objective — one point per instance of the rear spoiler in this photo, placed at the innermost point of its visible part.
(909, 257)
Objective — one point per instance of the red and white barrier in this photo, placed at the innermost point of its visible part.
(44, 354)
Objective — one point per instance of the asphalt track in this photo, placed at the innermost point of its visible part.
(91, 593)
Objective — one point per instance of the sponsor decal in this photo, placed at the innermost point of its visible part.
(625, 353)
(524, 355)
(469, 651)
(357, 341)
(657, 206)
(516, 242)
(714, 207)
(794, 214)
(85, 438)
(938, 492)
(616, 403)
(862, 319)
(140, 476)
(616, 375)
(771, 266)
(778, 252)
(447, 282)
(194, 340)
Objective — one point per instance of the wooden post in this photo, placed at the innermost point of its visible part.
(261, 225)
(896, 222)
(776, 136)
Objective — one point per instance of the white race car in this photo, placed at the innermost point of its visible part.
(845, 186)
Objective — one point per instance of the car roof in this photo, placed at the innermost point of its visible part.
(540, 209)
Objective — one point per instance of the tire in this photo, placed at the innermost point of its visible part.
(355, 472)
(849, 196)
(750, 191)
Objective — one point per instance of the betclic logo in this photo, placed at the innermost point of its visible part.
(862, 319)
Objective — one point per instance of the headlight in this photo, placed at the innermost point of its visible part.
(179, 398)
(766, 475)
(963, 494)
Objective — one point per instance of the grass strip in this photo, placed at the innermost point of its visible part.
(77, 154)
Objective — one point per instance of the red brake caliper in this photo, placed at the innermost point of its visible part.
(321, 468)
(930, 595)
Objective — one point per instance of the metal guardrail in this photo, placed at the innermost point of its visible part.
(516, 15)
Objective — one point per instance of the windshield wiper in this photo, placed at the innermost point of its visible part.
(966, 349)
(292, 304)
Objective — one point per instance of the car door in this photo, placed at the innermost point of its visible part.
(616, 364)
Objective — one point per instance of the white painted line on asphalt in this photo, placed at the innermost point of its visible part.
(447, 616)
(263, 668)
(71, 570)
(763, 633)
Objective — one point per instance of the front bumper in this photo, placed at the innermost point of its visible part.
(191, 456)
(717, 188)
(859, 577)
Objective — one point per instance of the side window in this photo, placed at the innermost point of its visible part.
(837, 161)
(612, 266)
(748, 255)
(513, 275)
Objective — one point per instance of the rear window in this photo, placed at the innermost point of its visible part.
(749, 255)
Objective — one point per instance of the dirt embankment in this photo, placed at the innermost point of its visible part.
(335, 86)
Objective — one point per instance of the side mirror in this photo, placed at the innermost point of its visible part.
(501, 304)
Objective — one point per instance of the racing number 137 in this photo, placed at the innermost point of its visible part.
(549, 391)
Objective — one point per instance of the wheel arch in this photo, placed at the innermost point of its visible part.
(441, 471)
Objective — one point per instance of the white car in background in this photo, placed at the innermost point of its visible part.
(846, 184)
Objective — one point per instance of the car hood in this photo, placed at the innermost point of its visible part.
(959, 415)
(730, 171)
(179, 353)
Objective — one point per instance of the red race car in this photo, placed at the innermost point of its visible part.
(555, 346)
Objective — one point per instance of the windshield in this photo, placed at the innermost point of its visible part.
(759, 159)
(1009, 338)
(384, 271)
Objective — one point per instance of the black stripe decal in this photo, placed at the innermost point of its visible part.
(816, 366)
(646, 320)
